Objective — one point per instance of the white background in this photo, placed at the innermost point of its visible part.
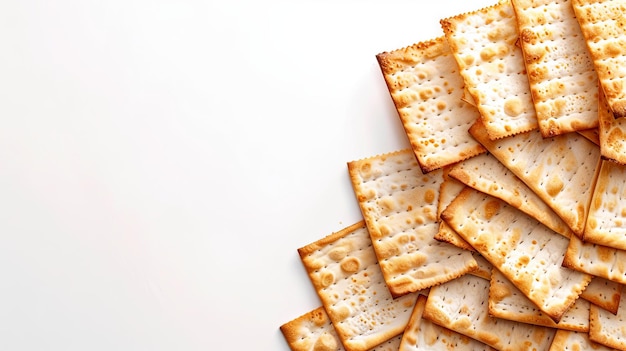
(161, 161)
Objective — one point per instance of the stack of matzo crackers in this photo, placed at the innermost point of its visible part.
(504, 225)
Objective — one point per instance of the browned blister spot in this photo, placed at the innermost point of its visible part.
(325, 342)
(513, 106)
(327, 279)
(430, 196)
(350, 264)
(491, 208)
(338, 253)
(554, 185)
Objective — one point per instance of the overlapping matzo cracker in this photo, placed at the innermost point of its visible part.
(460, 305)
(561, 170)
(484, 267)
(525, 251)
(485, 173)
(603, 293)
(612, 133)
(426, 88)
(603, 25)
(399, 205)
(591, 134)
(566, 340)
(390, 345)
(346, 276)
(422, 334)
(311, 331)
(449, 189)
(601, 261)
(607, 328)
(560, 71)
(492, 67)
(606, 222)
(507, 302)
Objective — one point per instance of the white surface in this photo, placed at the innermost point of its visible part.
(161, 162)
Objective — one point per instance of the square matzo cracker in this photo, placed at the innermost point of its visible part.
(488, 175)
(460, 305)
(560, 71)
(426, 88)
(561, 170)
(345, 274)
(507, 302)
(524, 250)
(492, 66)
(422, 334)
(311, 331)
(606, 222)
(602, 261)
(603, 293)
(399, 205)
(607, 328)
(566, 340)
(603, 25)
(611, 133)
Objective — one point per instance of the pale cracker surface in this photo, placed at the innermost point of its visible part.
(566, 340)
(399, 205)
(606, 223)
(561, 170)
(601, 261)
(492, 67)
(345, 274)
(460, 305)
(424, 335)
(488, 175)
(561, 74)
(507, 302)
(607, 328)
(611, 133)
(603, 25)
(603, 293)
(312, 331)
(427, 90)
(525, 251)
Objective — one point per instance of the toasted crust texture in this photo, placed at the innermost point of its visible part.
(560, 70)
(492, 67)
(399, 206)
(520, 247)
(346, 276)
(427, 91)
(459, 305)
(603, 25)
